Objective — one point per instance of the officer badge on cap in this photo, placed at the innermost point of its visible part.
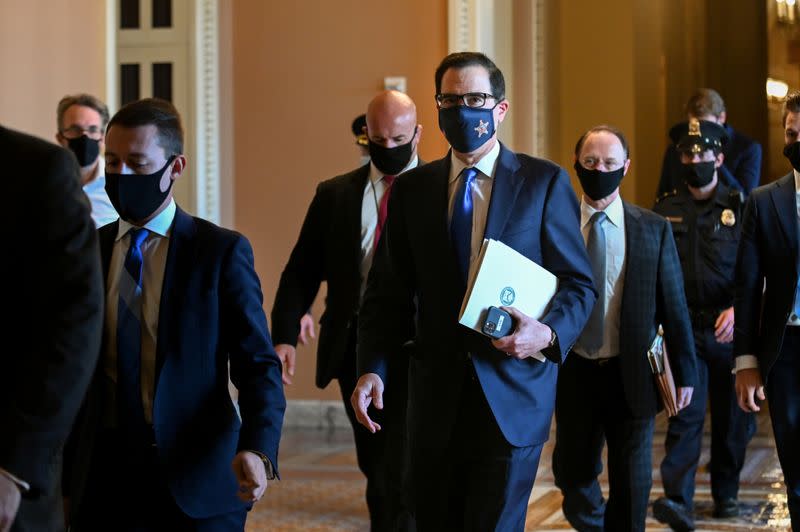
(728, 218)
(697, 136)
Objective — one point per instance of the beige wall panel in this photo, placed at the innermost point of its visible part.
(49, 48)
(301, 72)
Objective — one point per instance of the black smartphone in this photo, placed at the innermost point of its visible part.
(498, 323)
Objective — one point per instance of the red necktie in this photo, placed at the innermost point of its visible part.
(383, 209)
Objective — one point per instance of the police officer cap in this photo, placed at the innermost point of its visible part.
(697, 136)
(358, 126)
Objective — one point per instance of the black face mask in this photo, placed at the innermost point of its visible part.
(596, 184)
(391, 161)
(137, 196)
(698, 175)
(85, 149)
(792, 152)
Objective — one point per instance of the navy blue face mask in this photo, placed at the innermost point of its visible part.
(137, 196)
(466, 128)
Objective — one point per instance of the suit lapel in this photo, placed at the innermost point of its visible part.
(354, 196)
(506, 186)
(107, 236)
(785, 203)
(633, 264)
(180, 255)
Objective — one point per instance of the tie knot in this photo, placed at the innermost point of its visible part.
(138, 235)
(598, 217)
(389, 179)
(469, 174)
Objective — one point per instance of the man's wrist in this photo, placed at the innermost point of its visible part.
(553, 338)
(267, 465)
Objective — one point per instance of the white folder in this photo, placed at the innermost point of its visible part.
(504, 277)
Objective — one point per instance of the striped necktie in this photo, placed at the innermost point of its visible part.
(129, 338)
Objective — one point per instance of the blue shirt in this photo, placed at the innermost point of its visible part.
(102, 211)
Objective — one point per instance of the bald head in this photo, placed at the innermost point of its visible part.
(392, 120)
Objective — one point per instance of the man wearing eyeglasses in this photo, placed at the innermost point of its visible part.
(479, 411)
(81, 120)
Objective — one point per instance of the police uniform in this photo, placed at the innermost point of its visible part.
(707, 236)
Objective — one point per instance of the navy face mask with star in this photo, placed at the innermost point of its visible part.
(466, 128)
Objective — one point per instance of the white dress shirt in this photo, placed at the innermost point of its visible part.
(481, 195)
(614, 228)
(103, 211)
(370, 203)
(154, 253)
(751, 361)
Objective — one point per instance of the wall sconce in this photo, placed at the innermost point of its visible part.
(787, 11)
(776, 90)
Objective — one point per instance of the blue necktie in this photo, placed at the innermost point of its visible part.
(129, 338)
(592, 336)
(461, 223)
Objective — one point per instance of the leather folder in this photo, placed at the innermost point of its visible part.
(659, 364)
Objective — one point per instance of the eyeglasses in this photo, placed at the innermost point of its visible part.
(470, 99)
(74, 132)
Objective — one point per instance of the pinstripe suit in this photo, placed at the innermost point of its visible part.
(616, 401)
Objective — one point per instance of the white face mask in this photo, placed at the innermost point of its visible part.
(364, 159)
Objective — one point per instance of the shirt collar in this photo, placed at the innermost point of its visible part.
(98, 183)
(614, 211)
(485, 166)
(159, 225)
(99, 178)
(376, 175)
(796, 181)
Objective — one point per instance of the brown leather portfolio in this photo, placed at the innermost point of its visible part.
(665, 384)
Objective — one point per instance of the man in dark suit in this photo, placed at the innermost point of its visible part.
(606, 391)
(479, 412)
(52, 333)
(742, 167)
(160, 445)
(336, 245)
(767, 334)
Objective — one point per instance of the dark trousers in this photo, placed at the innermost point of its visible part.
(783, 394)
(590, 410)
(477, 481)
(383, 456)
(731, 427)
(127, 491)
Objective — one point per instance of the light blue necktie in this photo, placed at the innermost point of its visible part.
(592, 336)
(129, 338)
(461, 223)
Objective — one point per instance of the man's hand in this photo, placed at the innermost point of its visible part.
(530, 336)
(723, 328)
(748, 387)
(684, 397)
(251, 475)
(287, 354)
(9, 502)
(369, 389)
(307, 329)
